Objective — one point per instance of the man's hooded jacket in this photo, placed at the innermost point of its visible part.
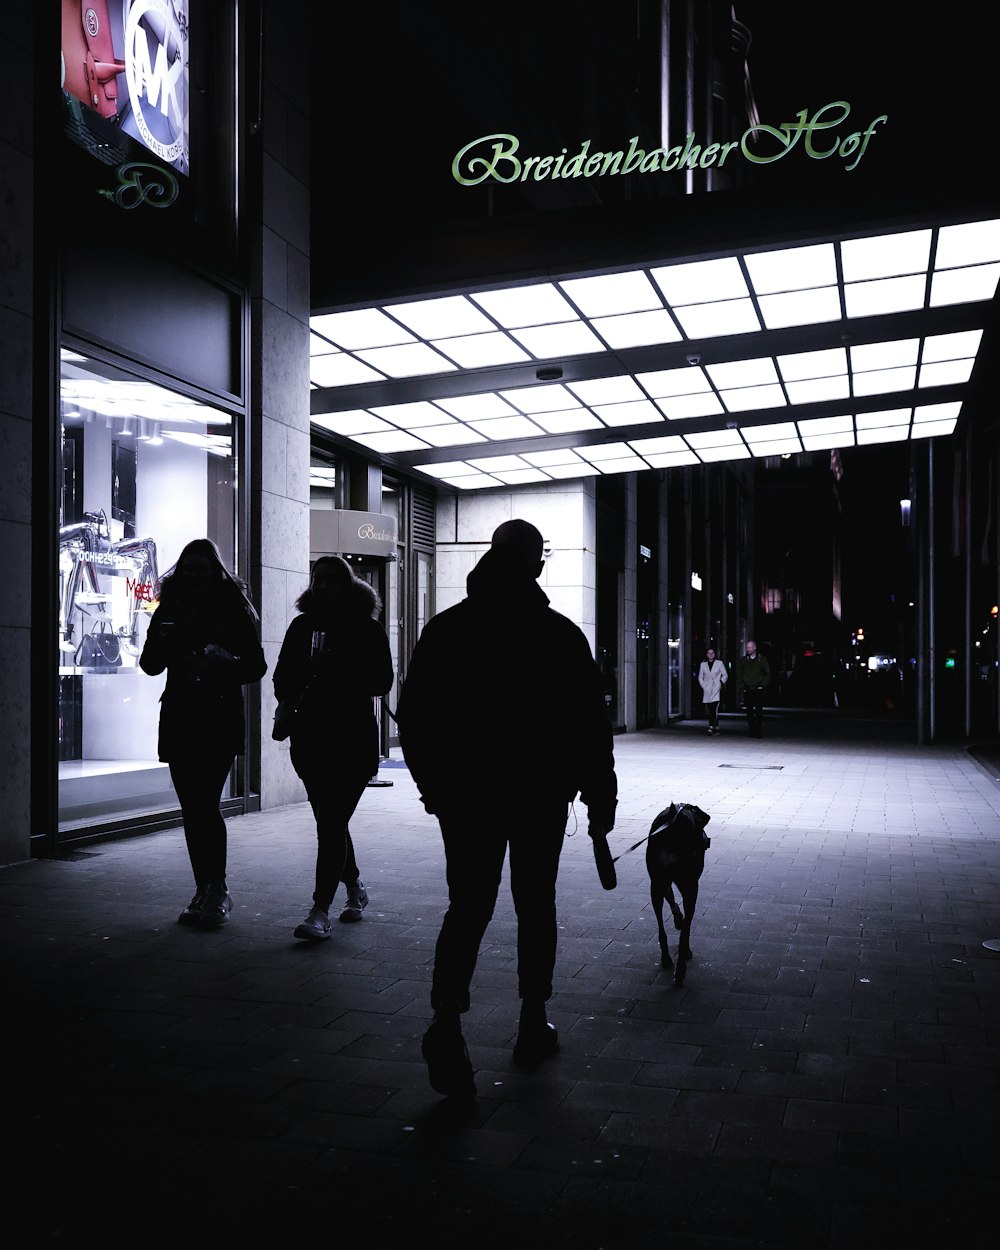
(503, 703)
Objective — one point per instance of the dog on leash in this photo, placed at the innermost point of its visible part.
(675, 856)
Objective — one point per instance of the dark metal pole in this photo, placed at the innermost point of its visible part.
(931, 653)
(993, 503)
(969, 656)
(920, 519)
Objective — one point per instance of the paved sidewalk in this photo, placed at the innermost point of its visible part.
(828, 1078)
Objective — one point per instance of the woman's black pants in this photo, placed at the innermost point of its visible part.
(334, 794)
(475, 843)
(199, 782)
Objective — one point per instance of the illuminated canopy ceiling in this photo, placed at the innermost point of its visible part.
(846, 341)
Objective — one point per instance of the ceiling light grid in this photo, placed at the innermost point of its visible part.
(696, 302)
(707, 446)
(146, 411)
(738, 294)
(780, 383)
(781, 438)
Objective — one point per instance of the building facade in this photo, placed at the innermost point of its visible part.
(158, 319)
(186, 227)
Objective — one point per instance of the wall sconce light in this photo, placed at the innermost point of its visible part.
(904, 513)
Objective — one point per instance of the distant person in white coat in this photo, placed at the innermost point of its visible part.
(712, 676)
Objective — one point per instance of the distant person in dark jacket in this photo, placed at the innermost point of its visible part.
(502, 722)
(334, 662)
(204, 633)
(755, 677)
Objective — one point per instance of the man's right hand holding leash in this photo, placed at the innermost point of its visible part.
(600, 824)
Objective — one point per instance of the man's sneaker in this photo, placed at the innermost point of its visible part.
(216, 908)
(192, 913)
(315, 927)
(357, 901)
(449, 1067)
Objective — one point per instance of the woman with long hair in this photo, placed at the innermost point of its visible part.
(334, 661)
(204, 633)
(712, 676)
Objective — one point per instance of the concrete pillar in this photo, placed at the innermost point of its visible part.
(663, 602)
(280, 379)
(16, 407)
(627, 636)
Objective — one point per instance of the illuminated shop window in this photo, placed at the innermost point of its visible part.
(143, 471)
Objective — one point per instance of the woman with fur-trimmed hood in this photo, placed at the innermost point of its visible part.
(334, 661)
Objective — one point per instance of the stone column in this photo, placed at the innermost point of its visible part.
(280, 380)
(16, 405)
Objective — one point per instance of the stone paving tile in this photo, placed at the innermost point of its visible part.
(832, 1063)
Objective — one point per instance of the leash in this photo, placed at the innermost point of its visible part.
(635, 846)
(615, 858)
(652, 834)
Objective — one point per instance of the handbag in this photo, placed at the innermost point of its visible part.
(284, 716)
(284, 719)
(99, 649)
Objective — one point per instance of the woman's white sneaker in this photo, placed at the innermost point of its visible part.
(315, 927)
(357, 901)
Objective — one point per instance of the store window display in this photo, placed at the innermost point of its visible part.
(144, 471)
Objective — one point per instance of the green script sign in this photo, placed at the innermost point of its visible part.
(495, 156)
(142, 183)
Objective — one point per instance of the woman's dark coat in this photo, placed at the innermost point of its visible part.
(335, 690)
(201, 708)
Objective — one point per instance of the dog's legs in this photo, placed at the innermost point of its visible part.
(689, 899)
(657, 900)
(690, 902)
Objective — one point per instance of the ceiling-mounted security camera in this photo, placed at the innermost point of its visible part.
(694, 359)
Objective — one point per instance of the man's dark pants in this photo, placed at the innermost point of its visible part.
(754, 699)
(475, 841)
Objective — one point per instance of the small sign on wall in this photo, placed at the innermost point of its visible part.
(339, 531)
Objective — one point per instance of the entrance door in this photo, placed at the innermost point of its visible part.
(374, 570)
(675, 650)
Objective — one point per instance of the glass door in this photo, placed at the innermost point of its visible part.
(675, 651)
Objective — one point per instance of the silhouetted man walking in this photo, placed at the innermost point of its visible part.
(755, 677)
(502, 722)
